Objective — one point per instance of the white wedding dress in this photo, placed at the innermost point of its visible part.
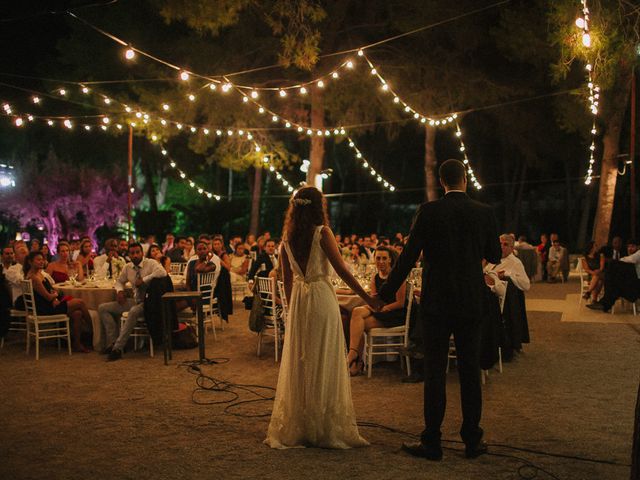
(313, 405)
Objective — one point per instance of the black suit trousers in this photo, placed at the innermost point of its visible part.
(466, 332)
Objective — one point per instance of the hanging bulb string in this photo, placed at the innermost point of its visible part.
(183, 176)
(465, 158)
(366, 165)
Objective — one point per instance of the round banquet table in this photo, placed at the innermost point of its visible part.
(93, 295)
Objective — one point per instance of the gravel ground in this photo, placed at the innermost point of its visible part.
(571, 393)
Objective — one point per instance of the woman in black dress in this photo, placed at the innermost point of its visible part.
(364, 318)
(593, 264)
(49, 302)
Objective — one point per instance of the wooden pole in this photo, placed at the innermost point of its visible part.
(632, 156)
(130, 183)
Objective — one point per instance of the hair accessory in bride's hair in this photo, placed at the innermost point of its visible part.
(301, 201)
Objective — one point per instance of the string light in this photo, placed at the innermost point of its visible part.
(129, 54)
(365, 164)
(594, 90)
(200, 190)
(467, 164)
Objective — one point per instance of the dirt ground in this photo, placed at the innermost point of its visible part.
(571, 393)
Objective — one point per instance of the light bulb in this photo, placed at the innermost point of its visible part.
(129, 54)
(245, 99)
(254, 94)
(349, 64)
(261, 110)
(320, 84)
(107, 100)
(360, 53)
(50, 123)
(184, 75)
(212, 86)
(334, 74)
(85, 90)
(67, 123)
(193, 129)
(303, 91)
(586, 40)
(19, 122)
(373, 71)
(62, 91)
(36, 100)
(282, 93)
(580, 22)
(191, 97)
(206, 131)
(87, 128)
(226, 87)
(106, 120)
(166, 107)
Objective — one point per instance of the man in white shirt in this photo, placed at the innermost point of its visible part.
(8, 258)
(554, 261)
(14, 274)
(509, 268)
(139, 272)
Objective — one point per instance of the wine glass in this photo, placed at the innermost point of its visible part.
(73, 273)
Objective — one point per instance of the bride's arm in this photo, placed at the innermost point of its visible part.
(287, 275)
(330, 248)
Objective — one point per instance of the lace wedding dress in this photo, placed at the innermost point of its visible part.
(313, 405)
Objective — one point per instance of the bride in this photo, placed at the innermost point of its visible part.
(313, 405)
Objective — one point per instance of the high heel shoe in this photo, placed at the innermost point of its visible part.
(357, 362)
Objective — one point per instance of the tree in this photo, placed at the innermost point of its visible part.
(66, 199)
(615, 34)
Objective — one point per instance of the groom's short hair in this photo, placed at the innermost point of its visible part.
(452, 172)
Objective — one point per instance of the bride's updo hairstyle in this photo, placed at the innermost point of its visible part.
(307, 209)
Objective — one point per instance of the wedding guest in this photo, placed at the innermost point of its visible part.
(123, 249)
(364, 318)
(250, 241)
(509, 268)
(15, 273)
(543, 253)
(46, 253)
(203, 263)
(148, 241)
(166, 264)
(357, 255)
(368, 248)
(189, 250)
(8, 258)
(593, 264)
(110, 245)
(522, 244)
(613, 251)
(620, 281)
(258, 247)
(168, 244)
(239, 264)
(64, 268)
(632, 247)
(49, 302)
(177, 253)
(154, 252)
(35, 245)
(265, 261)
(554, 261)
(218, 249)
(138, 272)
(85, 258)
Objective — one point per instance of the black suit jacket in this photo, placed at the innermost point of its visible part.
(454, 234)
(260, 259)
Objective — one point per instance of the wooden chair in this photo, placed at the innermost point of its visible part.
(272, 322)
(140, 331)
(43, 327)
(399, 337)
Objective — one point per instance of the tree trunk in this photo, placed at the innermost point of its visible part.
(609, 170)
(149, 187)
(316, 155)
(430, 163)
(584, 217)
(255, 202)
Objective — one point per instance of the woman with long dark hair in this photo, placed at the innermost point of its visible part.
(313, 405)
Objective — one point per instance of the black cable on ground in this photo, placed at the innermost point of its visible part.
(207, 384)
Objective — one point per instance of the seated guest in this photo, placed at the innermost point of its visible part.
(265, 261)
(250, 241)
(189, 248)
(35, 245)
(46, 253)
(522, 243)
(177, 254)
(64, 268)
(239, 264)
(110, 264)
(138, 272)
(620, 282)
(369, 249)
(258, 246)
(85, 257)
(632, 247)
(154, 252)
(123, 248)
(15, 274)
(165, 262)
(364, 319)
(593, 264)
(148, 241)
(554, 261)
(217, 246)
(509, 268)
(543, 253)
(203, 263)
(614, 250)
(223, 279)
(398, 247)
(169, 243)
(8, 258)
(49, 302)
(357, 256)
(235, 240)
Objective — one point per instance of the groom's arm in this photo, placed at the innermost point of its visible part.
(408, 257)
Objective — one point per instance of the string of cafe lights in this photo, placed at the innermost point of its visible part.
(365, 164)
(582, 22)
(196, 187)
(465, 160)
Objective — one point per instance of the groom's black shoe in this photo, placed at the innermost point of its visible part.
(474, 451)
(419, 449)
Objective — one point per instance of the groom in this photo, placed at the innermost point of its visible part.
(454, 234)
